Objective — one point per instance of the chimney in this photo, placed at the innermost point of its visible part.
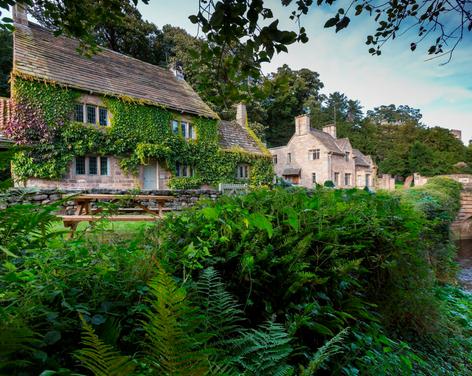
(330, 129)
(302, 124)
(19, 14)
(241, 114)
(178, 70)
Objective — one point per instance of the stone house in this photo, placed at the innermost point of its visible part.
(315, 156)
(185, 121)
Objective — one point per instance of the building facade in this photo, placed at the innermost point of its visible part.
(112, 121)
(315, 156)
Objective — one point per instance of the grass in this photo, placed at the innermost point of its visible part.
(122, 229)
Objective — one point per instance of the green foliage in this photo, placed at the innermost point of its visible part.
(174, 345)
(138, 134)
(100, 358)
(263, 351)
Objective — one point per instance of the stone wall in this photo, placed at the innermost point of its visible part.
(183, 198)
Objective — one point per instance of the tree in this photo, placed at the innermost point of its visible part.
(392, 114)
(6, 61)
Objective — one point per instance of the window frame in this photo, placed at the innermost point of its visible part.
(347, 179)
(289, 158)
(86, 166)
(183, 170)
(314, 154)
(184, 129)
(313, 178)
(96, 113)
(242, 171)
(336, 178)
(347, 156)
(274, 159)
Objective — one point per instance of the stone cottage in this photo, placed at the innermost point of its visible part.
(315, 156)
(112, 121)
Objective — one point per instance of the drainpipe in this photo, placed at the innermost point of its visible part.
(330, 167)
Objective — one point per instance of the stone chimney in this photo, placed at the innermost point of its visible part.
(178, 70)
(302, 124)
(330, 129)
(241, 114)
(19, 14)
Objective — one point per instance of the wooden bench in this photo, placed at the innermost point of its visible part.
(85, 213)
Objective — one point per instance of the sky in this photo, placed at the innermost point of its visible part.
(443, 93)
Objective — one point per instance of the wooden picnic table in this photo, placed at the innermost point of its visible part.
(85, 213)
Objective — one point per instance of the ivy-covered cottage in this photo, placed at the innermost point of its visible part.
(315, 156)
(112, 121)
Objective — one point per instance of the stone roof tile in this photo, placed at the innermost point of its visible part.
(38, 53)
(232, 134)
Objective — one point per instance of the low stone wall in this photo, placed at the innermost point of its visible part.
(183, 198)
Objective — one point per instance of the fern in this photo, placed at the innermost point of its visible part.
(15, 340)
(263, 352)
(100, 358)
(222, 314)
(175, 346)
(329, 349)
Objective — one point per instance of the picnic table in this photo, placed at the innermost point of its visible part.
(85, 213)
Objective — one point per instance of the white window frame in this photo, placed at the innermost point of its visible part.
(274, 159)
(185, 129)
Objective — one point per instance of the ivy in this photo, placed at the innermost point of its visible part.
(138, 134)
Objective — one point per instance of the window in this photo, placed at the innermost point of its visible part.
(183, 129)
(104, 166)
(313, 177)
(313, 154)
(103, 116)
(367, 180)
(191, 133)
(274, 159)
(79, 112)
(91, 114)
(242, 171)
(175, 127)
(92, 166)
(347, 179)
(183, 170)
(336, 178)
(80, 166)
(289, 158)
(346, 156)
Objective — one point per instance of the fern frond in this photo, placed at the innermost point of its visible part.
(264, 351)
(221, 312)
(100, 358)
(175, 346)
(329, 349)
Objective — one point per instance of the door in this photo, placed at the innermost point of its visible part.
(150, 176)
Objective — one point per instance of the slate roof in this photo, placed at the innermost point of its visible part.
(327, 140)
(361, 159)
(38, 53)
(232, 134)
(343, 143)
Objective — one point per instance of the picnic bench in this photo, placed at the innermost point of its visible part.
(85, 213)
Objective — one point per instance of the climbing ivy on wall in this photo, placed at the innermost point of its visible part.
(138, 134)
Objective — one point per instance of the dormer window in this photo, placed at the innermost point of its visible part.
(91, 114)
(183, 129)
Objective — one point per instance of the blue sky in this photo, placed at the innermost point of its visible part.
(398, 76)
(443, 93)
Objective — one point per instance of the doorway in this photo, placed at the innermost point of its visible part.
(150, 176)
